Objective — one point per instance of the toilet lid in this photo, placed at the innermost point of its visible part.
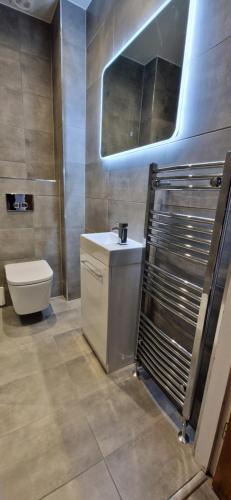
(27, 273)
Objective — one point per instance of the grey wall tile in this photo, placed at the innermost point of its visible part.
(39, 146)
(41, 170)
(36, 75)
(9, 27)
(73, 24)
(13, 169)
(12, 144)
(93, 122)
(17, 244)
(74, 144)
(99, 52)
(97, 179)
(34, 37)
(209, 92)
(74, 85)
(97, 12)
(96, 215)
(38, 112)
(130, 212)
(10, 74)
(217, 29)
(11, 107)
(129, 184)
(73, 261)
(46, 211)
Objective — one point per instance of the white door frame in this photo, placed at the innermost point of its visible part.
(216, 384)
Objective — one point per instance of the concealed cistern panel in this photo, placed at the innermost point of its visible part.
(19, 202)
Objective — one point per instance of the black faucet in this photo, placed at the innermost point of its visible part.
(122, 229)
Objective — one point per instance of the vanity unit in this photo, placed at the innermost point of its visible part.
(110, 291)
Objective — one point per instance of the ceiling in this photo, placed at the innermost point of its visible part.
(41, 9)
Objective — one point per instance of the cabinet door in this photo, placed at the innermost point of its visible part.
(222, 478)
(94, 300)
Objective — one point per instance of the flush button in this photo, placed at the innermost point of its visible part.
(16, 202)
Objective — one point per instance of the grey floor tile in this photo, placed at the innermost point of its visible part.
(87, 375)
(152, 466)
(120, 414)
(95, 484)
(46, 454)
(72, 345)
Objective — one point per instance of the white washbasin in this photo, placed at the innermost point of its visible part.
(105, 247)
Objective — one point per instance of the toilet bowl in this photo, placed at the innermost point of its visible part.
(29, 285)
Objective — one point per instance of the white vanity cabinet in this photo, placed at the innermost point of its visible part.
(110, 292)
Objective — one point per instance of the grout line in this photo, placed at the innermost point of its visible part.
(114, 482)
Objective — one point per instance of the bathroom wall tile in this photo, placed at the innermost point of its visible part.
(74, 199)
(129, 17)
(97, 178)
(8, 54)
(57, 106)
(129, 184)
(206, 147)
(38, 112)
(99, 52)
(93, 122)
(39, 146)
(130, 212)
(46, 211)
(73, 261)
(34, 37)
(9, 27)
(47, 246)
(217, 30)
(73, 88)
(17, 244)
(12, 219)
(96, 215)
(96, 14)
(36, 75)
(11, 107)
(74, 144)
(208, 93)
(10, 73)
(95, 481)
(13, 169)
(73, 24)
(43, 188)
(12, 144)
(41, 170)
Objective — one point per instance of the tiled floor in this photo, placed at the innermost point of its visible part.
(70, 432)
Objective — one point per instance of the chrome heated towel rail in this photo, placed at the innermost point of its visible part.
(184, 218)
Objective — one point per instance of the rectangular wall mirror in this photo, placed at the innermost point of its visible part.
(141, 86)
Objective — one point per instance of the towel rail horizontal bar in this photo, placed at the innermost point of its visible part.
(183, 246)
(181, 308)
(182, 227)
(165, 384)
(187, 255)
(179, 379)
(178, 385)
(169, 308)
(188, 217)
(183, 353)
(185, 302)
(146, 335)
(189, 284)
(190, 166)
(190, 177)
(187, 237)
(173, 285)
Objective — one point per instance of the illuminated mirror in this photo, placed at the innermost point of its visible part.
(141, 86)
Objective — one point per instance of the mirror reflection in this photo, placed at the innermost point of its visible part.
(141, 86)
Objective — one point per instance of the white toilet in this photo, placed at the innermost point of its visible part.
(29, 285)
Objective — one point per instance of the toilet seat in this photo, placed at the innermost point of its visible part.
(28, 273)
